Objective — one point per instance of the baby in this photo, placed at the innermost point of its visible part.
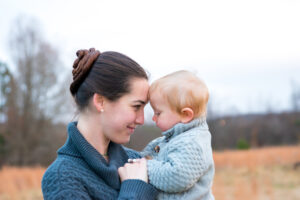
(181, 163)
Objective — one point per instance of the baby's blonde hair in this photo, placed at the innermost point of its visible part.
(183, 89)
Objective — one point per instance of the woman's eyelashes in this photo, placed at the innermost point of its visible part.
(137, 107)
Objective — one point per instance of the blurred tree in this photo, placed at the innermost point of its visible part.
(5, 90)
(8, 110)
(253, 137)
(2, 149)
(295, 97)
(36, 63)
(210, 109)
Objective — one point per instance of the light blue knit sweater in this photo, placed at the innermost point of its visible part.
(184, 167)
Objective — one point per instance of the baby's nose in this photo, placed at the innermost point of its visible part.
(154, 118)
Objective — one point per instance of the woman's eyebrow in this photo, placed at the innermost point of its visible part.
(139, 101)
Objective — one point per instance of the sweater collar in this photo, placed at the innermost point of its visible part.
(78, 146)
(181, 127)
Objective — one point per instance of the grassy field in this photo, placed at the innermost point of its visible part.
(260, 174)
(21, 183)
(257, 174)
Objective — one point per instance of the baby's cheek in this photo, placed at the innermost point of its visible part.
(162, 127)
(157, 123)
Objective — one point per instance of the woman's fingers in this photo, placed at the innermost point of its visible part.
(135, 169)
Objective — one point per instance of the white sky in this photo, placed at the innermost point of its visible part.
(247, 52)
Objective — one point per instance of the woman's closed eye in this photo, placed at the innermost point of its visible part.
(137, 107)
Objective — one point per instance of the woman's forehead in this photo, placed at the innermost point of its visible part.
(139, 90)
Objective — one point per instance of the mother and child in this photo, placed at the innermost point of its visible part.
(111, 90)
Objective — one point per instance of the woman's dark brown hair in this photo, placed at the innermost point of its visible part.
(108, 74)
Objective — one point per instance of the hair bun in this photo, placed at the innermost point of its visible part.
(82, 66)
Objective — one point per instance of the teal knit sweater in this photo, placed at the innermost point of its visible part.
(80, 172)
(182, 167)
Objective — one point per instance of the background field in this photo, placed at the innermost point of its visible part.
(262, 174)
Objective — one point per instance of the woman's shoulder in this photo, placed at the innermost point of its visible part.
(63, 168)
(131, 153)
(58, 167)
(53, 178)
(66, 179)
(65, 175)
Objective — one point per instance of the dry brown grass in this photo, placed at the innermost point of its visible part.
(269, 156)
(21, 183)
(258, 174)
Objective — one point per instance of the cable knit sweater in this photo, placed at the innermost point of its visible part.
(184, 167)
(80, 172)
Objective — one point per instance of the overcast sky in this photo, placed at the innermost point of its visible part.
(247, 52)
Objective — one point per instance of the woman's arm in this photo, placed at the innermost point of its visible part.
(134, 189)
(53, 188)
(68, 194)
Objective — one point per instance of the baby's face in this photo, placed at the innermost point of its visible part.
(164, 117)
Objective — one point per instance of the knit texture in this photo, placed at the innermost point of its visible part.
(80, 172)
(184, 167)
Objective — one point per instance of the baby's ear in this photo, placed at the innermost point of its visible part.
(187, 114)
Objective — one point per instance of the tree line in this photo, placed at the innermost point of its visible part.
(30, 98)
(239, 132)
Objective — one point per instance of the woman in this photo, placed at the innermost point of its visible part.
(110, 91)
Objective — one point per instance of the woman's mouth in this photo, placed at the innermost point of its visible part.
(131, 128)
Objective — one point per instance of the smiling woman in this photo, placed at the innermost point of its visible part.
(110, 90)
(120, 117)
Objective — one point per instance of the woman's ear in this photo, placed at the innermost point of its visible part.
(187, 114)
(98, 102)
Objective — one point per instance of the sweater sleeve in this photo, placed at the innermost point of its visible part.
(132, 153)
(181, 169)
(134, 189)
(70, 189)
(67, 195)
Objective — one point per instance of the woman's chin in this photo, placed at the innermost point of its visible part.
(122, 140)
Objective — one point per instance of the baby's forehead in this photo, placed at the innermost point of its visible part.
(158, 100)
(156, 95)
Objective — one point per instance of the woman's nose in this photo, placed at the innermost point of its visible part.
(140, 118)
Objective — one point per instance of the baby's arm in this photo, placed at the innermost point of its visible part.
(182, 168)
(149, 149)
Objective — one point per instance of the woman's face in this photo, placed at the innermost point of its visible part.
(120, 118)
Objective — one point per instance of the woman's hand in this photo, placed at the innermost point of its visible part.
(136, 170)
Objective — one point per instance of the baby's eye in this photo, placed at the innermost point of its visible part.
(157, 113)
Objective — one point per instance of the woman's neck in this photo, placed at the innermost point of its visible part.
(90, 128)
